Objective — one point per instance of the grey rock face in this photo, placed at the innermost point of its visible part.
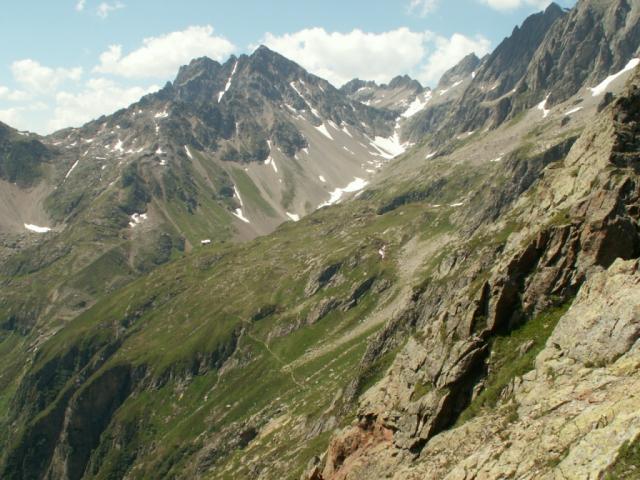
(592, 41)
(463, 70)
(604, 322)
(580, 235)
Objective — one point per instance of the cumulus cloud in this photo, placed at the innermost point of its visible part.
(98, 97)
(106, 8)
(19, 116)
(11, 116)
(37, 78)
(13, 95)
(161, 56)
(422, 7)
(449, 51)
(504, 5)
(339, 57)
(80, 5)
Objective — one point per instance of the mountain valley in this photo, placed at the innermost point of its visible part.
(254, 274)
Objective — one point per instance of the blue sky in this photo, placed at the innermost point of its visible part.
(68, 61)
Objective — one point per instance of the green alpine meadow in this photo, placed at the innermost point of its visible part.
(264, 268)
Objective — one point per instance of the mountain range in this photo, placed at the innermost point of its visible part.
(253, 274)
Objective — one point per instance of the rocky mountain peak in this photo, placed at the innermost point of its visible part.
(203, 66)
(509, 61)
(271, 64)
(594, 40)
(421, 287)
(352, 86)
(553, 9)
(405, 81)
(465, 68)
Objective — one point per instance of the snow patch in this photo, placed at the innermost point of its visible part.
(351, 152)
(335, 196)
(465, 135)
(228, 85)
(313, 110)
(237, 195)
(164, 114)
(293, 216)
(36, 228)
(137, 219)
(322, 179)
(416, 106)
(602, 87)
(389, 147)
(459, 204)
(542, 106)
(272, 162)
(293, 85)
(71, 169)
(238, 213)
(431, 155)
(118, 147)
(443, 92)
(186, 149)
(496, 160)
(572, 111)
(323, 130)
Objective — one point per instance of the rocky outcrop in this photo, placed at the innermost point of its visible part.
(22, 157)
(465, 69)
(568, 417)
(592, 41)
(487, 97)
(604, 322)
(579, 224)
(552, 56)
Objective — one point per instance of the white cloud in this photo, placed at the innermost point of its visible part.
(99, 97)
(423, 7)
(13, 95)
(161, 56)
(16, 118)
(339, 57)
(37, 78)
(504, 5)
(12, 116)
(80, 5)
(105, 8)
(449, 51)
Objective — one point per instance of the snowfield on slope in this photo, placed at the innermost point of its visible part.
(36, 228)
(602, 87)
(335, 196)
